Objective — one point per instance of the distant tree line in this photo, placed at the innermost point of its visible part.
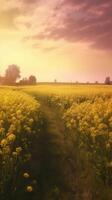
(12, 77)
(108, 80)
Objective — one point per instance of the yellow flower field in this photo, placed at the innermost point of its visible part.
(62, 125)
(18, 114)
(86, 111)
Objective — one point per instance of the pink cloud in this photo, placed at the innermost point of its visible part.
(74, 21)
(7, 18)
(81, 21)
(30, 2)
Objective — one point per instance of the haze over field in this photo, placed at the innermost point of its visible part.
(68, 40)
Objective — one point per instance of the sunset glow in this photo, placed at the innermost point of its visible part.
(70, 40)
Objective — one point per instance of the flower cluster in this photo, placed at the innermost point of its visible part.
(87, 115)
(92, 123)
(19, 113)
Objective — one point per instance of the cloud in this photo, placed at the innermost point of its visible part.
(30, 1)
(7, 18)
(12, 10)
(44, 47)
(87, 21)
(49, 49)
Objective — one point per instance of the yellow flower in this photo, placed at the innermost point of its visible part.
(26, 175)
(31, 121)
(109, 164)
(18, 112)
(11, 137)
(1, 152)
(14, 154)
(3, 143)
(107, 145)
(18, 150)
(1, 130)
(102, 126)
(7, 150)
(28, 129)
(29, 188)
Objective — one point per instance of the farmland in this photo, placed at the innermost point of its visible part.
(56, 142)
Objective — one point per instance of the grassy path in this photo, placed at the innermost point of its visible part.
(48, 161)
(52, 154)
(59, 179)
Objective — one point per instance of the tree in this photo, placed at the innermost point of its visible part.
(32, 80)
(107, 80)
(55, 80)
(12, 74)
(24, 81)
(96, 82)
(1, 80)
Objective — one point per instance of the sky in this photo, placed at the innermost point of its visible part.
(67, 40)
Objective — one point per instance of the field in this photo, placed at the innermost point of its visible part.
(56, 142)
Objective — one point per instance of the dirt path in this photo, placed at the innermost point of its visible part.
(57, 162)
(47, 164)
(52, 149)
